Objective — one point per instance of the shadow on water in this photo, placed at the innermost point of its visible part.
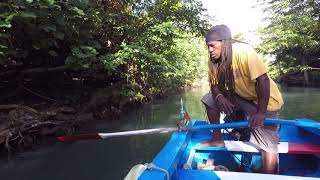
(112, 158)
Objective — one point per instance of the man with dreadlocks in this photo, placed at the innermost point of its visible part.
(239, 83)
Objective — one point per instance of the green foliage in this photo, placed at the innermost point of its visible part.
(293, 34)
(148, 46)
(46, 29)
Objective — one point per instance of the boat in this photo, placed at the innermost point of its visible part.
(183, 159)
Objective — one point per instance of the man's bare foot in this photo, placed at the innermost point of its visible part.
(215, 143)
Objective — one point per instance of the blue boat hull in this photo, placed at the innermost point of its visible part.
(298, 156)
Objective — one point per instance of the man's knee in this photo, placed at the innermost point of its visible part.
(209, 102)
(211, 109)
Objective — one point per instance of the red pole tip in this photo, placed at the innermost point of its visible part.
(71, 138)
(186, 116)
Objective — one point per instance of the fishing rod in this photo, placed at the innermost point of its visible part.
(242, 124)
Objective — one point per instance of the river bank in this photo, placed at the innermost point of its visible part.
(30, 119)
(309, 78)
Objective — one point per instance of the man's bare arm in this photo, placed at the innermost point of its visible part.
(263, 92)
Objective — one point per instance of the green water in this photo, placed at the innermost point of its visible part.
(113, 158)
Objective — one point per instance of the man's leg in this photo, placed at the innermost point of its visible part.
(265, 137)
(214, 117)
(270, 162)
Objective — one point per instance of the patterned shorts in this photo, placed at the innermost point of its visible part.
(265, 138)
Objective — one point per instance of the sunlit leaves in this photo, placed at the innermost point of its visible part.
(293, 33)
(78, 11)
(27, 15)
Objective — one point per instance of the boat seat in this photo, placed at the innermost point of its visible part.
(283, 147)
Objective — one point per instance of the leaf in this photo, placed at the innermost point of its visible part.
(27, 15)
(78, 11)
(50, 2)
(36, 46)
(80, 3)
(49, 28)
(58, 35)
(60, 20)
(53, 53)
(84, 52)
(56, 44)
(3, 46)
(69, 60)
(86, 65)
(5, 24)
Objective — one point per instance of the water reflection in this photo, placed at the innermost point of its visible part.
(301, 102)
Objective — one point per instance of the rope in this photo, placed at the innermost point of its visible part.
(221, 168)
(214, 168)
(151, 166)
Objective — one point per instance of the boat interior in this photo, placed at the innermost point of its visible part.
(298, 154)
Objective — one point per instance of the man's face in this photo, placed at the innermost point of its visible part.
(215, 49)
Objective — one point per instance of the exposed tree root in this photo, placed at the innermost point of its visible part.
(20, 124)
(28, 118)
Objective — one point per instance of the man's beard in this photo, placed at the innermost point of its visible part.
(214, 60)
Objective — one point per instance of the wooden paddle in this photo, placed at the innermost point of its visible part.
(242, 124)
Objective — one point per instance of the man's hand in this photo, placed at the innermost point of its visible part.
(224, 105)
(257, 119)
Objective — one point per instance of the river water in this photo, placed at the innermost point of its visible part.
(111, 159)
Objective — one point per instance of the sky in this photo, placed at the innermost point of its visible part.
(241, 16)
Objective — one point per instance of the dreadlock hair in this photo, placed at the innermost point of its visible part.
(221, 73)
